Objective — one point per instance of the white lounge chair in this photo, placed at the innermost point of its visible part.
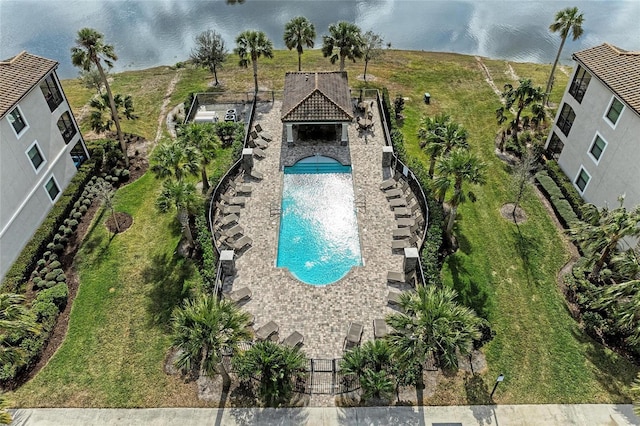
(241, 243)
(267, 330)
(238, 295)
(293, 340)
(379, 328)
(396, 277)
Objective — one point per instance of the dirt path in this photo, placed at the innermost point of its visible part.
(488, 78)
(511, 72)
(165, 104)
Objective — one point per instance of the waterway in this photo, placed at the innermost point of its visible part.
(147, 33)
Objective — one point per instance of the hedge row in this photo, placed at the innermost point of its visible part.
(569, 192)
(561, 206)
(19, 273)
(208, 260)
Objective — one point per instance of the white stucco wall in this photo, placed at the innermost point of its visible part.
(617, 171)
(24, 202)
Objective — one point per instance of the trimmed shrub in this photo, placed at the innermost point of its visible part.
(55, 265)
(57, 294)
(569, 192)
(73, 223)
(44, 310)
(208, 255)
(83, 209)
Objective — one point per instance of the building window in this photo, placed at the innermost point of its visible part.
(579, 84)
(52, 188)
(597, 147)
(565, 121)
(615, 109)
(582, 180)
(66, 126)
(34, 154)
(17, 121)
(51, 92)
(78, 154)
(554, 149)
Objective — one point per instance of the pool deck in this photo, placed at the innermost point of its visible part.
(321, 314)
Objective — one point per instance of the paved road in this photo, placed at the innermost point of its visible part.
(482, 415)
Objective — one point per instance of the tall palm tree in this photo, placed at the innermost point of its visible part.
(202, 137)
(460, 166)
(14, 317)
(275, 365)
(299, 32)
(174, 159)
(205, 327)
(251, 45)
(183, 196)
(520, 98)
(602, 231)
(91, 50)
(439, 135)
(432, 323)
(344, 41)
(567, 21)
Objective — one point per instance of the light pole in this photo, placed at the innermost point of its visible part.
(498, 380)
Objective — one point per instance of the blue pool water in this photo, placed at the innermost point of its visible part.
(318, 240)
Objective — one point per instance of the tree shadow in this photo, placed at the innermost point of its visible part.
(269, 416)
(411, 416)
(527, 248)
(168, 276)
(470, 293)
(479, 398)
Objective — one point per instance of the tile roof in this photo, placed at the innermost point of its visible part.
(316, 96)
(18, 75)
(617, 68)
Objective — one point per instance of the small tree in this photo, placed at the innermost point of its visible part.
(275, 366)
(5, 417)
(521, 174)
(101, 118)
(202, 137)
(520, 98)
(372, 364)
(183, 196)
(625, 298)
(371, 49)
(15, 319)
(398, 106)
(635, 392)
(105, 194)
(174, 159)
(92, 79)
(210, 52)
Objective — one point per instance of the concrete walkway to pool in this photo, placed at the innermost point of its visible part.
(322, 314)
(480, 415)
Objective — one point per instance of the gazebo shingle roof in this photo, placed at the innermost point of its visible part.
(18, 75)
(316, 97)
(616, 68)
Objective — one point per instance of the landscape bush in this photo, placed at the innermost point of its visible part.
(569, 192)
(208, 260)
(563, 209)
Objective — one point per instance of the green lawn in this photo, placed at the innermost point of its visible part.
(118, 338)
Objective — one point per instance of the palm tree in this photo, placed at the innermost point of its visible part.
(432, 323)
(205, 327)
(14, 317)
(602, 231)
(298, 32)
(453, 170)
(438, 136)
(203, 138)
(372, 364)
(173, 158)
(522, 97)
(251, 45)
(210, 52)
(100, 103)
(625, 297)
(183, 196)
(5, 417)
(344, 41)
(566, 21)
(635, 392)
(91, 50)
(275, 365)
(371, 48)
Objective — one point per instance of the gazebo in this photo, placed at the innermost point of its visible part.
(316, 106)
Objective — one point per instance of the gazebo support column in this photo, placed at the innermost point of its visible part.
(289, 127)
(345, 135)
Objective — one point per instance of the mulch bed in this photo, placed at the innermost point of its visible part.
(123, 221)
(507, 213)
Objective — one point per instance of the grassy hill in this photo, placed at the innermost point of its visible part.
(118, 339)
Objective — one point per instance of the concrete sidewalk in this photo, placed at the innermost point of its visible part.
(482, 415)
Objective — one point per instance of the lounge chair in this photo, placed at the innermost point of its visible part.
(405, 222)
(396, 277)
(253, 134)
(393, 298)
(232, 232)
(241, 188)
(241, 243)
(379, 328)
(354, 335)
(398, 202)
(387, 184)
(266, 136)
(400, 244)
(256, 175)
(258, 127)
(393, 193)
(267, 330)
(257, 143)
(259, 153)
(401, 233)
(230, 209)
(233, 201)
(402, 212)
(238, 295)
(230, 219)
(294, 339)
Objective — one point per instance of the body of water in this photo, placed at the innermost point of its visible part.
(318, 239)
(148, 33)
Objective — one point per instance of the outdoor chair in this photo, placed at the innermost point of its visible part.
(256, 143)
(230, 219)
(258, 127)
(405, 222)
(379, 328)
(230, 209)
(241, 188)
(401, 233)
(398, 202)
(235, 201)
(393, 298)
(267, 330)
(256, 175)
(232, 232)
(259, 153)
(241, 243)
(388, 184)
(238, 295)
(354, 335)
(393, 193)
(266, 136)
(396, 277)
(253, 134)
(402, 212)
(400, 244)
(294, 339)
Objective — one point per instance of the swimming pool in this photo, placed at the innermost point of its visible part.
(318, 240)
